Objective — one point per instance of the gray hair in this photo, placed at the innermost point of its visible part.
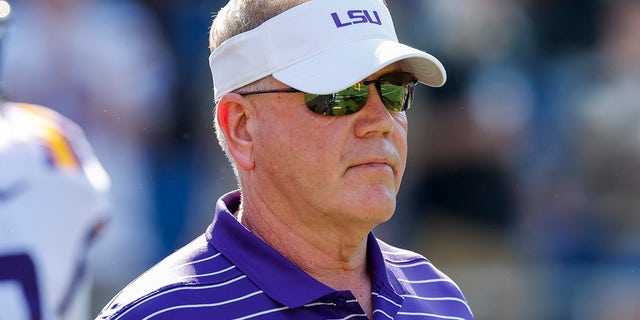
(236, 17)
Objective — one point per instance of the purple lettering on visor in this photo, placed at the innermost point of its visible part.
(356, 17)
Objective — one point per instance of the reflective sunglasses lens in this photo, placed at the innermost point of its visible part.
(394, 97)
(350, 100)
(341, 103)
(320, 104)
(395, 90)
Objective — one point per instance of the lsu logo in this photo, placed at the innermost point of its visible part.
(356, 17)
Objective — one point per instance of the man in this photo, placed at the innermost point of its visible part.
(310, 110)
(52, 207)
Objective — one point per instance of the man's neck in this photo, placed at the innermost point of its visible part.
(332, 257)
(319, 252)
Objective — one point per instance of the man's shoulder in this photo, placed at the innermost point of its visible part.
(428, 291)
(415, 270)
(397, 256)
(184, 278)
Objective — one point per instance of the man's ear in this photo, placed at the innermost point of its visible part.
(233, 115)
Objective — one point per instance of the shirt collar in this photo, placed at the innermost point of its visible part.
(266, 267)
(271, 271)
(383, 280)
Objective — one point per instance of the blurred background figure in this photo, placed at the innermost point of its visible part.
(53, 206)
(104, 65)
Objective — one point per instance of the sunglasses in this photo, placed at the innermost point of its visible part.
(395, 91)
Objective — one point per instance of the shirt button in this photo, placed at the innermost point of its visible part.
(340, 301)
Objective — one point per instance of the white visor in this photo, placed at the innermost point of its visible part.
(319, 47)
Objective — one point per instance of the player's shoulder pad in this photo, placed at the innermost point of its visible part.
(64, 141)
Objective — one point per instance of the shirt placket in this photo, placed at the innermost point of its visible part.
(340, 305)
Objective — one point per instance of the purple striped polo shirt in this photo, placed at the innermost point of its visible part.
(228, 273)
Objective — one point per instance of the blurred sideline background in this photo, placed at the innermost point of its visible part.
(523, 174)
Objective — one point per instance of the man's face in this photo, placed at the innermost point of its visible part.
(334, 169)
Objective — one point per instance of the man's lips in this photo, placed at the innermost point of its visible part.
(374, 164)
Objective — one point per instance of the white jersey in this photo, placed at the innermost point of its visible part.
(52, 204)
